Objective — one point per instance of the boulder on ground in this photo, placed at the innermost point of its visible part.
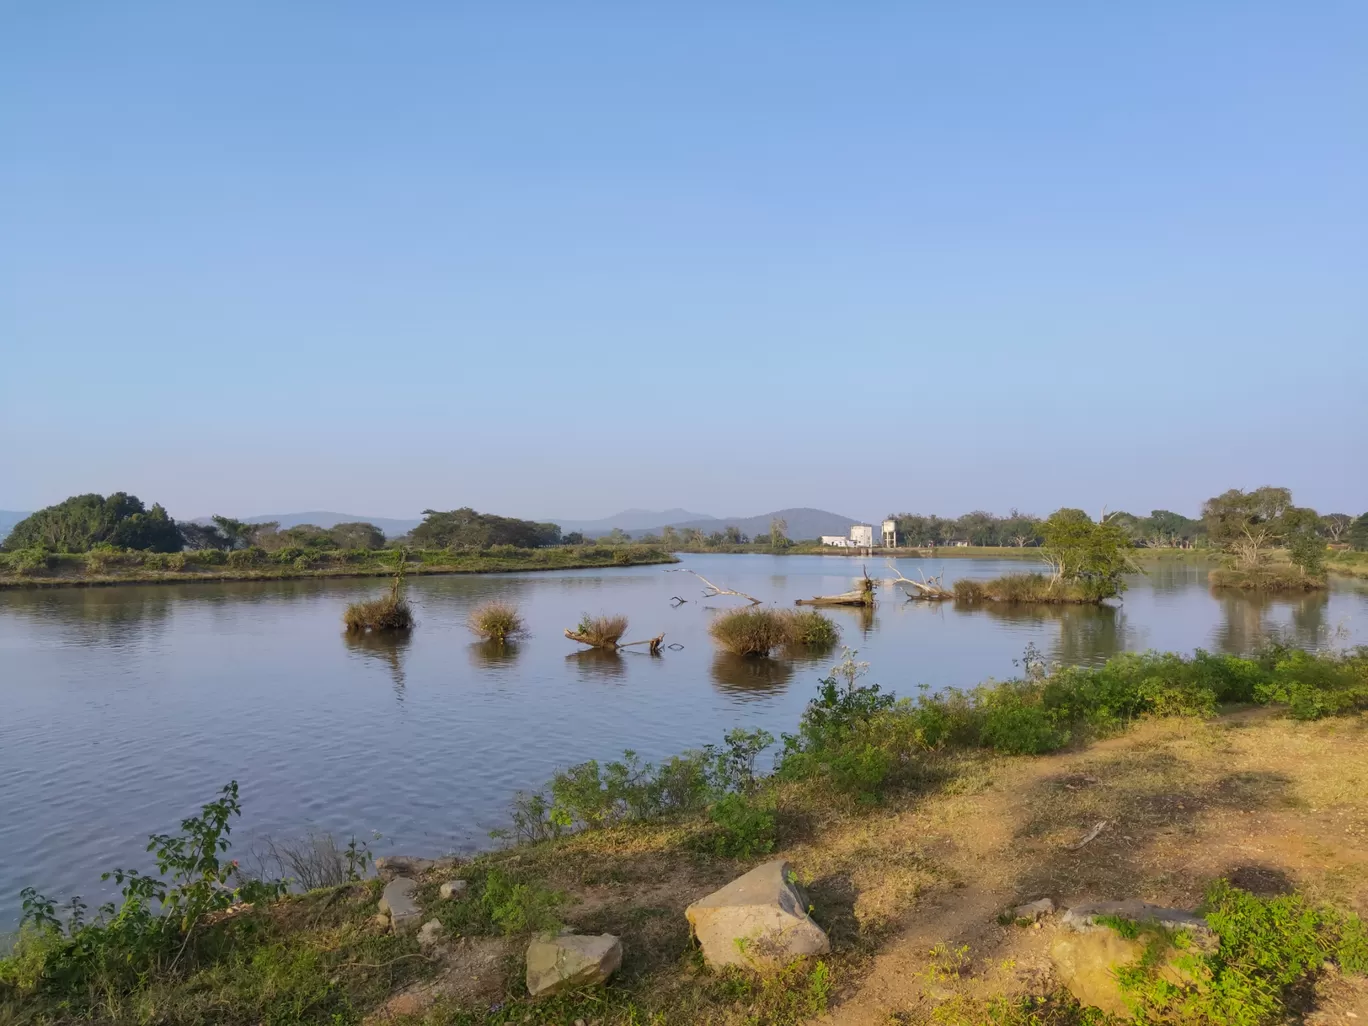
(430, 934)
(453, 889)
(759, 919)
(1089, 949)
(570, 961)
(397, 900)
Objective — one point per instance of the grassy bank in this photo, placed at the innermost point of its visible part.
(1026, 588)
(1348, 563)
(37, 570)
(1273, 578)
(916, 823)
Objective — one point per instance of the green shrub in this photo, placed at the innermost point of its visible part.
(32, 560)
(208, 557)
(243, 559)
(519, 907)
(745, 828)
(811, 629)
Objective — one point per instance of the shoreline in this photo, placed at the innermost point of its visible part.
(486, 565)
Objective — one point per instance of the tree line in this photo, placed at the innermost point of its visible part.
(122, 521)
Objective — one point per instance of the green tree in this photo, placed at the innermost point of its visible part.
(1097, 554)
(669, 538)
(778, 534)
(1163, 529)
(83, 521)
(238, 534)
(1336, 525)
(466, 528)
(357, 535)
(1358, 533)
(1247, 524)
(1300, 529)
(617, 536)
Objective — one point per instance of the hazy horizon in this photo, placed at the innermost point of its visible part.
(569, 261)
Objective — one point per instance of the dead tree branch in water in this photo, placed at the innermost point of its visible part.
(861, 596)
(932, 589)
(713, 590)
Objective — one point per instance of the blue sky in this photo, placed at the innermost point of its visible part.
(559, 259)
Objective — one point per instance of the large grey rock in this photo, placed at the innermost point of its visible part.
(1087, 951)
(759, 919)
(430, 934)
(571, 961)
(397, 900)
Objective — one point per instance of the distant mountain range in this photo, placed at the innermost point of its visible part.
(8, 518)
(630, 520)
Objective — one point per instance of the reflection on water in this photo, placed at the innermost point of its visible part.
(387, 647)
(749, 677)
(103, 688)
(486, 655)
(597, 664)
(1249, 622)
(1087, 635)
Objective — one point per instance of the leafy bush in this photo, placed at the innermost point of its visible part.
(161, 918)
(242, 559)
(518, 907)
(811, 629)
(745, 828)
(1269, 948)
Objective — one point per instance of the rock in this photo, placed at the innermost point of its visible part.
(759, 919)
(431, 933)
(1086, 953)
(397, 900)
(453, 889)
(387, 867)
(1034, 910)
(571, 961)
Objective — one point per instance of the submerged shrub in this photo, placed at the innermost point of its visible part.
(391, 613)
(498, 621)
(601, 631)
(756, 631)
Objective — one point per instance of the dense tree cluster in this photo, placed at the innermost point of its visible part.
(465, 528)
(84, 521)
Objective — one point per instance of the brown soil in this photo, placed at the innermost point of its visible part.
(1272, 804)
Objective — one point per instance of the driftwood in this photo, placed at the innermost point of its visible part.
(1089, 837)
(713, 590)
(861, 596)
(654, 643)
(608, 645)
(932, 589)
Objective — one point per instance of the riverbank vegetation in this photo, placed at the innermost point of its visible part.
(757, 631)
(917, 824)
(27, 568)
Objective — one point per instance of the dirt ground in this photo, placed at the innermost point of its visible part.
(1267, 802)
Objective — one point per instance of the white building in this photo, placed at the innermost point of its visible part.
(862, 536)
(836, 541)
(890, 534)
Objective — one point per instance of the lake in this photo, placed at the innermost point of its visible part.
(126, 708)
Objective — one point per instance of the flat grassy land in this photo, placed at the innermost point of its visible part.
(914, 884)
(96, 569)
(1348, 564)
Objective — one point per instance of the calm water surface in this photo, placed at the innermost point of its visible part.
(126, 708)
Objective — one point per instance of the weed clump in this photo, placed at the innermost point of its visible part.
(1014, 588)
(758, 632)
(497, 621)
(600, 631)
(391, 613)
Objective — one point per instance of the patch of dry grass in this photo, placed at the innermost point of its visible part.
(497, 621)
(756, 631)
(601, 631)
(391, 613)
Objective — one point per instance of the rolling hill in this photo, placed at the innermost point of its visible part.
(630, 520)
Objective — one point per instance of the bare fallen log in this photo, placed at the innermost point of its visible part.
(861, 596)
(654, 643)
(932, 589)
(713, 590)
